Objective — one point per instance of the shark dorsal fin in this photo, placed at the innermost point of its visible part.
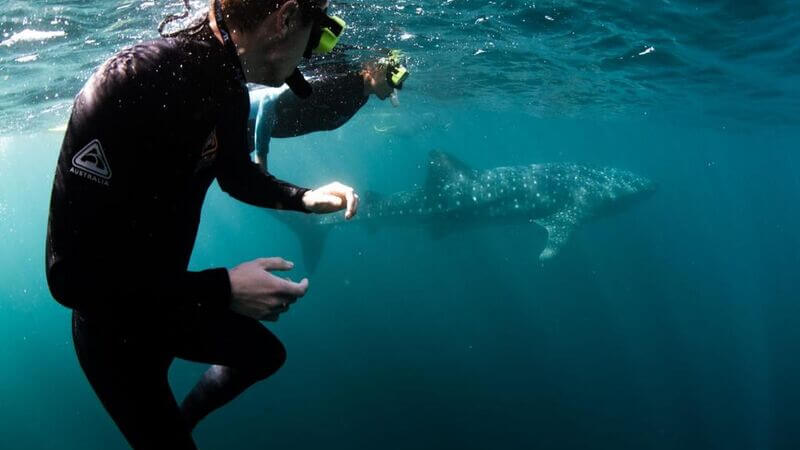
(444, 168)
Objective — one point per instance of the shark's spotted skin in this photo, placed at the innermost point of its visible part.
(559, 197)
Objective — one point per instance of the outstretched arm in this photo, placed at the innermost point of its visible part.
(337, 96)
(339, 91)
(245, 181)
(242, 178)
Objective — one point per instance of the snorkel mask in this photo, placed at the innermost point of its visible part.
(396, 73)
(325, 33)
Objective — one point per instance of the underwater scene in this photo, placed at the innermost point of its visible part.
(578, 229)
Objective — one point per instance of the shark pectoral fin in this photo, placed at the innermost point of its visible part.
(559, 229)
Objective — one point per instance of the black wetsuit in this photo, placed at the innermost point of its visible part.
(150, 131)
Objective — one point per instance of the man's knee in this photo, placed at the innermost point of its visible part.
(269, 360)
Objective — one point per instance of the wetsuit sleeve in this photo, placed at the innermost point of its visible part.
(111, 211)
(240, 177)
(334, 101)
(263, 125)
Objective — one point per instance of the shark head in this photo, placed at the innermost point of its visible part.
(624, 189)
(593, 193)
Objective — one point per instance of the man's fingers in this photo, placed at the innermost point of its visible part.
(349, 196)
(327, 202)
(288, 299)
(352, 203)
(291, 289)
(274, 264)
(335, 201)
(278, 309)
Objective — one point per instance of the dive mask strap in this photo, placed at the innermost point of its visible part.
(226, 38)
(325, 34)
(173, 17)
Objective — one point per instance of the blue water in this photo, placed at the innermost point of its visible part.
(672, 325)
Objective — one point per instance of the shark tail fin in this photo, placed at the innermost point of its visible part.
(310, 233)
(313, 243)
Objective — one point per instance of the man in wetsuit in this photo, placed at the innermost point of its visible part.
(148, 133)
(340, 89)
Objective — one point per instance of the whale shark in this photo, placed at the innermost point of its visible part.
(559, 197)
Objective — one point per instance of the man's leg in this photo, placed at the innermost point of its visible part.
(241, 350)
(128, 372)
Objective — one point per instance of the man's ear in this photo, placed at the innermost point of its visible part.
(286, 14)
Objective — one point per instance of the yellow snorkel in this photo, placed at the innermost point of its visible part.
(396, 73)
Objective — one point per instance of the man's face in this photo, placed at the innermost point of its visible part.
(278, 46)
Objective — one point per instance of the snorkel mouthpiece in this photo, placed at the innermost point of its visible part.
(298, 84)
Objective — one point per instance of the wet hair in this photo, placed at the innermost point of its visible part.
(248, 14)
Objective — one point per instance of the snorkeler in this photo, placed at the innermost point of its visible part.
(340, 89)
(148, 133)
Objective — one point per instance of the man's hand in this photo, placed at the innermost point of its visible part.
(261, 295)
(374, 75)
(331, 198)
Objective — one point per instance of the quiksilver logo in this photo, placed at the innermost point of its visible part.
(91, 163)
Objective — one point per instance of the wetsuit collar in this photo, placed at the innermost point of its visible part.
(228, 42)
